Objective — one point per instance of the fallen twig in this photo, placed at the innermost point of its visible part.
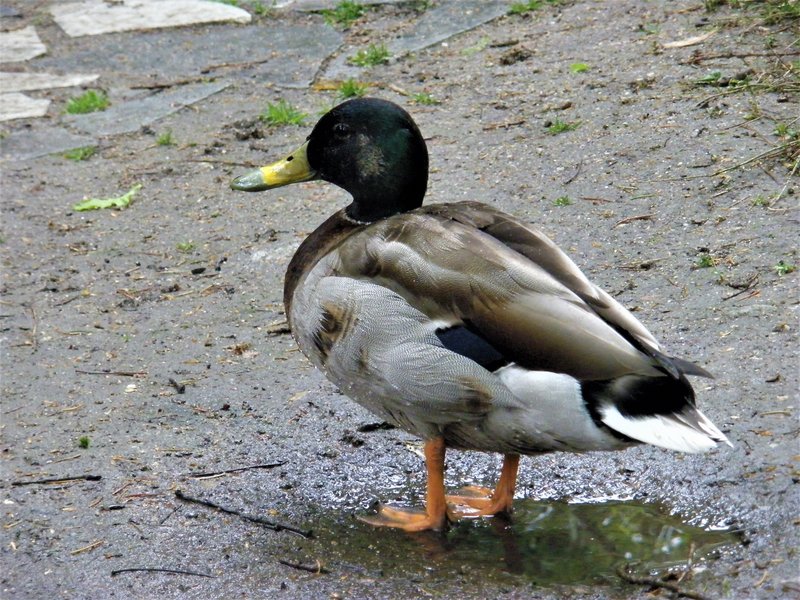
(236, 470)
(397, 89)
(58, 480)
(220, 161)
(776, 150)
(160, 85)
(87, 548)
(701, 57)
(160, 570)
(504, 124)
(119, 373)
(747, 285)
(269, 524)
(504, 44)
(632, 219)
(623, 571)
(317, 569)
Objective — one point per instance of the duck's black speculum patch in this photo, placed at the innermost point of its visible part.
(461, 340)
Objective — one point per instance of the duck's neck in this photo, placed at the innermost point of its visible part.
(389, 197)
(321, 241)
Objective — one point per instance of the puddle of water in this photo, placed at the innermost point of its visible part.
(545, 543)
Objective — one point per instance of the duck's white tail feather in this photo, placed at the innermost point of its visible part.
(687, 431)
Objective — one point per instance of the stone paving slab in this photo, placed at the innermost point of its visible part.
(20, 44)
(445, 21)
(24, 145)
(22, 82)
(285, 55)
(16, 105)
(94, 17)
(130, 116)
(434, 26)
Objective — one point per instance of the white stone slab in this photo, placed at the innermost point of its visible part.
(21, 44)
(93, 17)
(19, 106)
(21, 82)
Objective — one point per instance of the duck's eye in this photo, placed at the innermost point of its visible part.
(341, 129)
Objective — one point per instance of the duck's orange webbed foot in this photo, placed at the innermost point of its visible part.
(435, 515)
(485, 502)
(409, 519)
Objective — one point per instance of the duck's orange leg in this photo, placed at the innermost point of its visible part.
(487, 502)
(435, 515)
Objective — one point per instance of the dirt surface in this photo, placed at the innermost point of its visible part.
(149, 331)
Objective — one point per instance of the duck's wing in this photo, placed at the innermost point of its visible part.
(535, 245)
(467, 265)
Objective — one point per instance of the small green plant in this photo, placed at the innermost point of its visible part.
(579, 67)
(712, 78)
(705, 261)
(785, 131)
(344, 13)
(424, 98)
(88, 102)
(520, 8)
(374, 54)
(352, 89)
(282, 113)
(562, 201)
(165, 139)
(760, 200)
(260, 9)
(780, 11)
(83, 441)
(559, 126)
(79, 154)
(185, 247)
(229, 2)
(784, 268)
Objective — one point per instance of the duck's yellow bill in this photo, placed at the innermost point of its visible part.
(292, 169)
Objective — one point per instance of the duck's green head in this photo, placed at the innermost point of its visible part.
(369, 147)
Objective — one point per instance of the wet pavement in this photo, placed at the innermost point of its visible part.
(142, 351)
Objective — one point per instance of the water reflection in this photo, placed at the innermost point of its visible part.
(545, 543)
(553, 542)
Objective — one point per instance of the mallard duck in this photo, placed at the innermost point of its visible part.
(463, 325)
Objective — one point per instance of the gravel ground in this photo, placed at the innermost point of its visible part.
(149, 333)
